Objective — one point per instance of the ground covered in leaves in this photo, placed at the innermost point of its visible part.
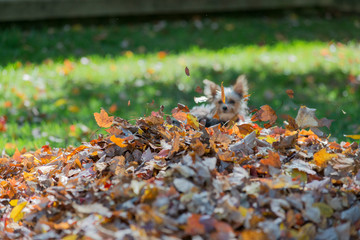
(168, 177)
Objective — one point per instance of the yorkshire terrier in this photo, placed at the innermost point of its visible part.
(234, 109)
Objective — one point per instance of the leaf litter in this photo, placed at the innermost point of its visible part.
(166, 179)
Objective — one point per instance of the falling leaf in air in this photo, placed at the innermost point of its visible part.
(103, 119)
(187, 71)
(290, 93)
(306, 117)
(161, 54)
(222, 93)
(266, 113)
(355, 137)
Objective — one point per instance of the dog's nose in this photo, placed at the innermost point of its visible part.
(224, 107)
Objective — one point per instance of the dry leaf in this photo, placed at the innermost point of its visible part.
(103, 119)
(273, 160)
(223, 99)
(266, 113)
(322, 157)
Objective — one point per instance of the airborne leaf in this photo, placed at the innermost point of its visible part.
(103, 119)
(223, 99)
(187, 71)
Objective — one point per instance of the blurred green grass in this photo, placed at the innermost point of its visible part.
(54, 77)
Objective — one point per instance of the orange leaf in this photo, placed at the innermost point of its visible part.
(113, 108)
(290, 93)
(222, 93)
(253, 235)
(322, 157)
(194, 227)
(17, 155)
(266, 113)
(78, 163)
(103, 119)
(180, 116)
(161, 54)
(273, 160)
(118, 141)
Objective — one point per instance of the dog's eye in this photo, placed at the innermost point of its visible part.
(220, 102)
(231, 101)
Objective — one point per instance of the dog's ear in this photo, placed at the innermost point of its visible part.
(241, 86)
(210, 89)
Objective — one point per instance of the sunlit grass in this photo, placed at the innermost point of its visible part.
(54, 78)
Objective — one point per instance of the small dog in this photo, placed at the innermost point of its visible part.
(234, 109)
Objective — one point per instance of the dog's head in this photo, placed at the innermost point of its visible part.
(234, 98)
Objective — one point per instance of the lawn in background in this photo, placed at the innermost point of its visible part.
(54, 77)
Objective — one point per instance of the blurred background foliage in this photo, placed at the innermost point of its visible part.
(55, 75)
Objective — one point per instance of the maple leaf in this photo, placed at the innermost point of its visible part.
(266, 113)
(103, 119)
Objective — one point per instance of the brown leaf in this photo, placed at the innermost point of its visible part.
(306, 118)
(266, 113)
(198, 147)
(273, 160)
(292, 126)
(103, 119)
(290, 93)
(193, 226)
(187, 71)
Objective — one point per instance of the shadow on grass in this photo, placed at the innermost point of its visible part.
(36, 44)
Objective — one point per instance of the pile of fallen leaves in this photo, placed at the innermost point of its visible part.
(168, 177)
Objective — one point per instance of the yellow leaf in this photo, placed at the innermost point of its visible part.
(14, 202)
(73, 109)
(356, 137)
(17, 214)
(322, 157)
(60, 102)
(118, 141)
(28, 176)
(192, 121)
(70, 237)
(243, 211)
